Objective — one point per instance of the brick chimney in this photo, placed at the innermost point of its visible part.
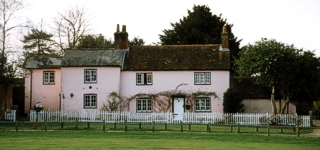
(121, 38)
(224, 38)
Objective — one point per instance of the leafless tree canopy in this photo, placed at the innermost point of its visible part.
(70, 26)
(8, 9)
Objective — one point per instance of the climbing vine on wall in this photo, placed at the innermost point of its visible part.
(163, 99)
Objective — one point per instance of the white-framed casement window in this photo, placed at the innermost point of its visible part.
(90, 101)
(144, 105)
(90, 76)
(48, 77)
(144, 78)
(202, 78)
(202, 104)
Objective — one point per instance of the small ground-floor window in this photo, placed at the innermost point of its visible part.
(144, 105)
(203, 104)
(90, 100)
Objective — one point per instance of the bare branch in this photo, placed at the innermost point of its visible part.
(70, 26)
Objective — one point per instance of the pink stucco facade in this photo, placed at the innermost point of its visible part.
(37, 91)
(264, 106)
(174, 84)
(73, 87)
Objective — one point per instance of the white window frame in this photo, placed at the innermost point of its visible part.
(90, 76)
(202, 78)
(144, 78)
(202, 104)
(48, 77)
(90, 100)
(144, 105)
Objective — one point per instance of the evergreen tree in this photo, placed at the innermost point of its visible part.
(201, 27)
(91, 41)
(136, 41)
(38, 42)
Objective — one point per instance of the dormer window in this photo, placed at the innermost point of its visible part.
(144, 78)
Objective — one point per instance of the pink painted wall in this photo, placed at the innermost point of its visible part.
(108, 80)
(169, 80)
(263, 106)
(48, 95)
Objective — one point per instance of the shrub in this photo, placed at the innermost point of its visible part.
(232, 101)
(316, 109)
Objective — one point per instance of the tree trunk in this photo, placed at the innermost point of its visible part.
(273, 102)
(285, 105)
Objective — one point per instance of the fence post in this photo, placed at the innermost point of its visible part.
(257, 129)
(104, 125)
(165, 126)
(298, 130)
(77, 124)
(238, 128)
(181, 126)
(189, 126)
(88, 125)
(209, 127)
(268, 129)
(45, 126)
(115, 125)
(281, 130)
(61, 125)
(231, 128)
(125, 126)
(17, 125)
(310, 115)
(139, 125)
(294, 129)
(153, 124)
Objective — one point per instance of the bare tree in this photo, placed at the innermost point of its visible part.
(8, 9)
(8, 70)
(71, 26)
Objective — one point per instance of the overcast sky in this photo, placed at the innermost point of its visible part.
(290, 21)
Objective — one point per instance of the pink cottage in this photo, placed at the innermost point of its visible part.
(175, 78)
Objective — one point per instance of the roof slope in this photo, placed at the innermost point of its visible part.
(43, 62)
(77, 58)
(177, 57)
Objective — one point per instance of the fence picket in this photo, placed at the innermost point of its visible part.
(167, 117)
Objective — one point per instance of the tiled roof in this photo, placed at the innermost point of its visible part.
(177, 57)
(43, 62)
(76, 58)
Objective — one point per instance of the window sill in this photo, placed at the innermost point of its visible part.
(144, 112)
(48, 83)
(198, 111)
(90, 107)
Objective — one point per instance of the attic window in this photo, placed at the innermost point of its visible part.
(48, 77)
(144, 78)
(201, 78)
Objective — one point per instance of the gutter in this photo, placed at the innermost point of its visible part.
(30, 90)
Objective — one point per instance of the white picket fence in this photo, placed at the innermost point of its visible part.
(171, 118)
(10, 115)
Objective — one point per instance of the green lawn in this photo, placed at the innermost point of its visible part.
(150, 140)
(144, 138)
